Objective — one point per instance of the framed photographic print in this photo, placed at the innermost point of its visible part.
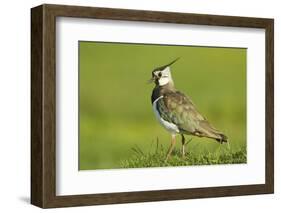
(135, 106)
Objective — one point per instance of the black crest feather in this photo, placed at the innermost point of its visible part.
(167, 65)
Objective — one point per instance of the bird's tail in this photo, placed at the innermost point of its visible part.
(222, 138)
(209, 131)
(219, 137)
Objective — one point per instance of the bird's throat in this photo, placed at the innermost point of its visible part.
(165, 81)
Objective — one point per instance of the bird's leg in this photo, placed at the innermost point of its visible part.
(183, 145)
(173, 143)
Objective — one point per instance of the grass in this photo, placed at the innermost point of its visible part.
(156, 157)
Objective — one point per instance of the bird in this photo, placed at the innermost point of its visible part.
(177, 113)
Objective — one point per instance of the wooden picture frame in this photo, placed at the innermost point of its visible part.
(43, 105)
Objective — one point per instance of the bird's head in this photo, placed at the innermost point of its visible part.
(162, 75)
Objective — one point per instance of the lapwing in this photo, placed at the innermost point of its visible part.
(176, 112)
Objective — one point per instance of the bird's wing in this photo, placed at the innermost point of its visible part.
(177, 108)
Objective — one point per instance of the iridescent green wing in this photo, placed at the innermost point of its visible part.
(178, 109)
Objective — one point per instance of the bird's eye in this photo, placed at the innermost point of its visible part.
(159, 74)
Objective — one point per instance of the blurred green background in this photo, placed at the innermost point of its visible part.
(115, 109)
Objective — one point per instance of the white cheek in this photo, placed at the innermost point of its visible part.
(163, 81)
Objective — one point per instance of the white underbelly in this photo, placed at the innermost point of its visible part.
(172, 128)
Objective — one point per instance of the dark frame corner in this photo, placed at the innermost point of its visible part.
(43, 111)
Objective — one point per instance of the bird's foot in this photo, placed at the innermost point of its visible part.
(184, 156)
(167, 158)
